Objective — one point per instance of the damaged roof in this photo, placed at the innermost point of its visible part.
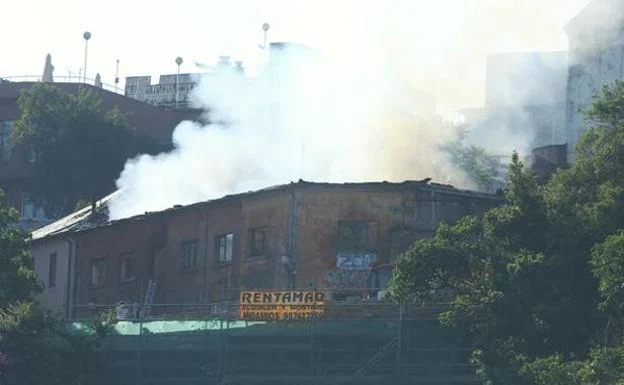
(79, 220)
(83, 219)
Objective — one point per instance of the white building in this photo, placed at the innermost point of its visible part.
(596, 58)
(172, 90)
(54, 255)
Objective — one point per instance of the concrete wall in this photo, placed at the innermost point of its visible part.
(546, 160)
(53, 298)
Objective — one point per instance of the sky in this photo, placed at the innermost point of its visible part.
(442, 40)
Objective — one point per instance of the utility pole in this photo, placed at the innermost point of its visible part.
(178, 61)
(86, 36)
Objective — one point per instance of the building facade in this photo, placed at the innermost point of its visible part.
(15, 168)
(174, 90)
(524, 102)
(596, 43)
(302, 235)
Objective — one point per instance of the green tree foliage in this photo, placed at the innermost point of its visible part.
(40, 350)
(77, 148)
(17, 277)
(483, 168)
(35, 348)
(539, 280)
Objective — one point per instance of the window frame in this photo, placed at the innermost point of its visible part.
(194, 260)
(223, 259)
(6, 147)
(253, 251)
(123, 268)
(95, 262)
(369, 241)
(52, 269)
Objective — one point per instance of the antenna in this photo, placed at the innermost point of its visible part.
(116, 75)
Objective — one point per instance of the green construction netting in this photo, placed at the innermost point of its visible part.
(169, 326)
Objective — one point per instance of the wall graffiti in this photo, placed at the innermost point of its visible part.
(351, 273)
(355, 261)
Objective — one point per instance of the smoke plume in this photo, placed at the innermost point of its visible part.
(366, 112)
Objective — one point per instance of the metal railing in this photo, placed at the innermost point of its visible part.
(63, 79)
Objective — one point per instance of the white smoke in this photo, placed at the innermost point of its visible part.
(302, 118)
(357, 114)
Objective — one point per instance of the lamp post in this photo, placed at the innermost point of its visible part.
(86, 36)
(178, 61)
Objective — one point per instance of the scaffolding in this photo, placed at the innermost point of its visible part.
(354, 343)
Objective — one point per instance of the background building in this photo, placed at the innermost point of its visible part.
(524, 102)
(174, 90)
(596, 39)
(15, 168)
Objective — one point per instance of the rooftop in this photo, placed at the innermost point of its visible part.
(84, 220)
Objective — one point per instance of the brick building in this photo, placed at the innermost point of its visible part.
(299, 235)
(15, 168)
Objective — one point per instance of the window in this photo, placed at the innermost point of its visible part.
(52, 271)
(225, 246)
(189, 255)
(6, 127)
(258, 242)
(98, 273)
(357, 236)
(127, 267)
(30, 209)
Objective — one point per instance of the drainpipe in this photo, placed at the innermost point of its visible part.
(292, 241)
(207, 257)
(71, 256)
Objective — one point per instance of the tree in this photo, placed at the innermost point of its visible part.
(77, 148)
(545, 269)
(35, 348)
(18, 281)
(483, 168)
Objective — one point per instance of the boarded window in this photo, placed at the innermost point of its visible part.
(257, 242)
(190, 260)
(225, 247)
(52, 271)
(98, 273)
(127, 267)
(357, 236)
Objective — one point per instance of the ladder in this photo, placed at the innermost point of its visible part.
(378, 356)
(149, 297)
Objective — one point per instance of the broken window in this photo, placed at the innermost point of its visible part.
(127, 267)
(258, 242)
(98, 273)
(189, 255)
(357, 236)
(225, 246)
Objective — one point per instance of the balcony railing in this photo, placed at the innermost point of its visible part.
(64, 79)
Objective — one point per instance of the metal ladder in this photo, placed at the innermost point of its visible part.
(149, 297)
(378, 356)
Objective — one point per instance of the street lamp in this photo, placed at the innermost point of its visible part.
(86, 36)
(178, 61)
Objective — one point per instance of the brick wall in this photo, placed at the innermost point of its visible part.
(304, 226)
